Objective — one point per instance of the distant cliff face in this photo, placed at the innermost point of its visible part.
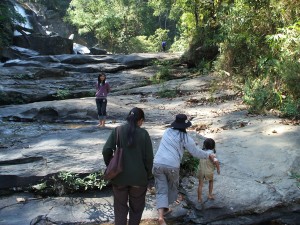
(50, 22)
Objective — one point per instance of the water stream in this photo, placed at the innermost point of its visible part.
(22, 12)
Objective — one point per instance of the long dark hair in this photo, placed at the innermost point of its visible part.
(99, 80)
(182, 133)
(209, 144)
(133, 117)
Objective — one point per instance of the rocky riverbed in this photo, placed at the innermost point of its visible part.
(46, 135)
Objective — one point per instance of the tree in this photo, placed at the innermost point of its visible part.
(8, 17)
(113, 22)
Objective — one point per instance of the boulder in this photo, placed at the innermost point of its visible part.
(50, 73)
(196, 55)
(85, 59)
(98, 51)
(136, 60)
(45, 45)
(80, 49)
(14, 52)
(18, 62)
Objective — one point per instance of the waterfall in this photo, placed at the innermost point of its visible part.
(21, 10)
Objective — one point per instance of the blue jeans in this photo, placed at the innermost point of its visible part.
(101, 108)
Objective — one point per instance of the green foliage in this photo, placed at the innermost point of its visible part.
(159, 36)
(140, 44)
(296, 176)
(67, 182)
(180, 44)
(163, 72)
(8, 17)
(6, 99)
(278, 86)
(73, 182)
(290, 108)
(113, 23)
(259, 45)
(162, 75)
(62, 94)
(261, 95)
(188, 165)
(285, 47)
(167, 93)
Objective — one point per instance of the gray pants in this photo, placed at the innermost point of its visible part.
(166, 184)
(135, 195)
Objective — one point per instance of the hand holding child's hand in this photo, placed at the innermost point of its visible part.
(212, 157)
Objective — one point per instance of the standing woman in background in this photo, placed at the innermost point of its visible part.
(130, 186)
(102, 89)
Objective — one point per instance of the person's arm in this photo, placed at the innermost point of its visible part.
(191, 146)
(216, 163)
(148, 156)
(109, 147)
(108, 87)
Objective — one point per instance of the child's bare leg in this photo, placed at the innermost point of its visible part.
(210, 189)
(161, 219)
(200, 185)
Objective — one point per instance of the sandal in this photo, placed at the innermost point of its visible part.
(168, 211)
(179, 199)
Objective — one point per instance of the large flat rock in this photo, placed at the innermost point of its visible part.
(259, 154)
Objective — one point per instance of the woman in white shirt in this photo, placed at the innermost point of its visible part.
(167, 160)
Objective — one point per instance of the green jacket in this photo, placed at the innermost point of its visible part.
(137, 159)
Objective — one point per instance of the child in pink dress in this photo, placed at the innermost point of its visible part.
(206, 169)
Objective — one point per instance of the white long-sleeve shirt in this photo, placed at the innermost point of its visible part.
(171, 149)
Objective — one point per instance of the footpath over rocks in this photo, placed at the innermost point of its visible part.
(259, 154)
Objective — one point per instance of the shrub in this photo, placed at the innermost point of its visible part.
(261, 95)
(167, 93)
(62, 94)
(188, 165)
(67, 182)
(290, 108)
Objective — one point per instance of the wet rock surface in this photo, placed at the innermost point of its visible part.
(258, 154)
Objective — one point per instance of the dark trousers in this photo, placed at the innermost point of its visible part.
(101, 107)
(135, 196)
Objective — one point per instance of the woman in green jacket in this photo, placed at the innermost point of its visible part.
(131, 183)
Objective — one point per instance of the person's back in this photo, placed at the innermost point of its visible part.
(164, 45)
(167, 160)
(130, 186)
(172, 146)
(206, 169)
(141, 153)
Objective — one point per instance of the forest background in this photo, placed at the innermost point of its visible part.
(253, 43)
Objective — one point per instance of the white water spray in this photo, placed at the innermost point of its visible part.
(27, 24)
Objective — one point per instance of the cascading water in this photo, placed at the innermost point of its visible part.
(21, 10)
